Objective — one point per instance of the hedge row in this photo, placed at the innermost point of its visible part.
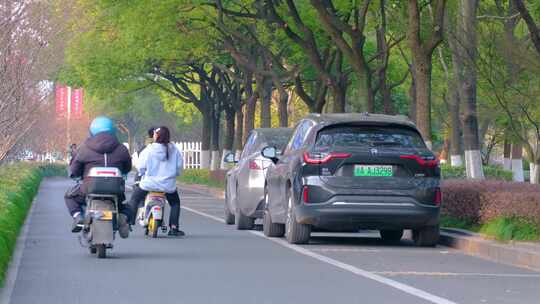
(18, 186)
(480, 202)
(490, 172)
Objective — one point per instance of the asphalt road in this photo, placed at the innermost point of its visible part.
(216, 264)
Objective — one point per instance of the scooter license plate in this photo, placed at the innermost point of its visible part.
(107, 216)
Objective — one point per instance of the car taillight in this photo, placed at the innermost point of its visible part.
(429, 163)
(253, 165)
(438, 197)
(321, 158)
(305, 194)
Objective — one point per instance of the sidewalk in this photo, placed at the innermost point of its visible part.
(520, 254)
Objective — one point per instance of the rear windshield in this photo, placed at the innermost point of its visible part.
(367, 136)
(278, 139)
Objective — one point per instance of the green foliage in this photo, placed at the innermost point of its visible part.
(512, 228)
(450, 222)
(201, 177)
(18, 186)
(490, 172)
(502, 229)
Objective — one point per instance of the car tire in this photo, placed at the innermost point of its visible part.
(391, 236)
(295, 233)
(229, 217)
(272, 229)
(243, 222)
(427, 236)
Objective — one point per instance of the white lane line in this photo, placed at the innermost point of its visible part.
(13, 270)
(350, 268)
(457, 274)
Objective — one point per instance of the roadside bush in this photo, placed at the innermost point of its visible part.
(485, 202)
(482, 201)
(18, 186)
(201, 177)
(490, 172)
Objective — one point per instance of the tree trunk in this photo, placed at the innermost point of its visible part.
(473, 157)
(443, 156)
(422, 71)
(229, 136)
(535, 172)
(250, 106)
(238, 144)
(215, 128)
(517, 162)
(205, 140)
(455, 127)
(283, 101)
(339, 100)
(264, 87)
(412, 99)
(507, 156)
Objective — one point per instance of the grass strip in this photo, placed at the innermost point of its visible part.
(502, 229)
(19, 184)
(200, 177)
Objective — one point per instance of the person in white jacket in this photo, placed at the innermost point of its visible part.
(159, 164)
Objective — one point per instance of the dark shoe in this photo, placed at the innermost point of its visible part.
(176, 232)
(78, 223)
(123, 226)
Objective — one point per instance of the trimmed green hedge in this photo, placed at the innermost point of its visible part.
(490, 172)
(19, 184)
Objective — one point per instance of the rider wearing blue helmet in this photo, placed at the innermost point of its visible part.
(91, 154)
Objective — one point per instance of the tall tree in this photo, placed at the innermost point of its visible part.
(471, 140)
(421, 52)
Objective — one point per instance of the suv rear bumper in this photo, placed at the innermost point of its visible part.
(349, 212)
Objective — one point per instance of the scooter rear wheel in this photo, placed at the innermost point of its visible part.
(92, 249)
(153, 227)
(101, 251)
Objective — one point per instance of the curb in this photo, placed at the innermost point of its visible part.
(525, 255)
(519, 254)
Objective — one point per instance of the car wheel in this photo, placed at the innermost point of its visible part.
(295, 233)
(391, 235)
(229, 217)
(426, 236)
(243, 222)
(272, 229)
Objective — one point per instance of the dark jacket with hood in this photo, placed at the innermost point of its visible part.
(92, 154)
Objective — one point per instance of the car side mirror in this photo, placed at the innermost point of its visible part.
(230, 159)
(270, 153)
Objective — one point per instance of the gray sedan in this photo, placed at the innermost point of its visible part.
(245, 183)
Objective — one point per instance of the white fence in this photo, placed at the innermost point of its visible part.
(192, 154)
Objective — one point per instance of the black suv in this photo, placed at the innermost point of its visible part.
(345, 172)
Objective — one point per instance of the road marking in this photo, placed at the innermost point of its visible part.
(350, 268)
(13, 270)
(457, 274)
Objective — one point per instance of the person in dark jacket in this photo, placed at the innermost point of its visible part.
(149, 140)
(91, 154)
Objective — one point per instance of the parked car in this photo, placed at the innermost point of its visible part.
(345, 172)
(244, 188)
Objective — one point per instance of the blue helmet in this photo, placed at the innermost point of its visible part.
(102, 124)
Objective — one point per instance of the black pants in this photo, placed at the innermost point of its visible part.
(76, 199)
(137, 199)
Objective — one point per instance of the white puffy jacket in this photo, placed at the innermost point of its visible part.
(159, 173)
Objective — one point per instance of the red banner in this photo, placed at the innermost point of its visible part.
(76, 103)
(61, 96)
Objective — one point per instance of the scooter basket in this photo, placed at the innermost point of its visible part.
(106, 185)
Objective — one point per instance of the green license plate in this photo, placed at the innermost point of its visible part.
(371, 170)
